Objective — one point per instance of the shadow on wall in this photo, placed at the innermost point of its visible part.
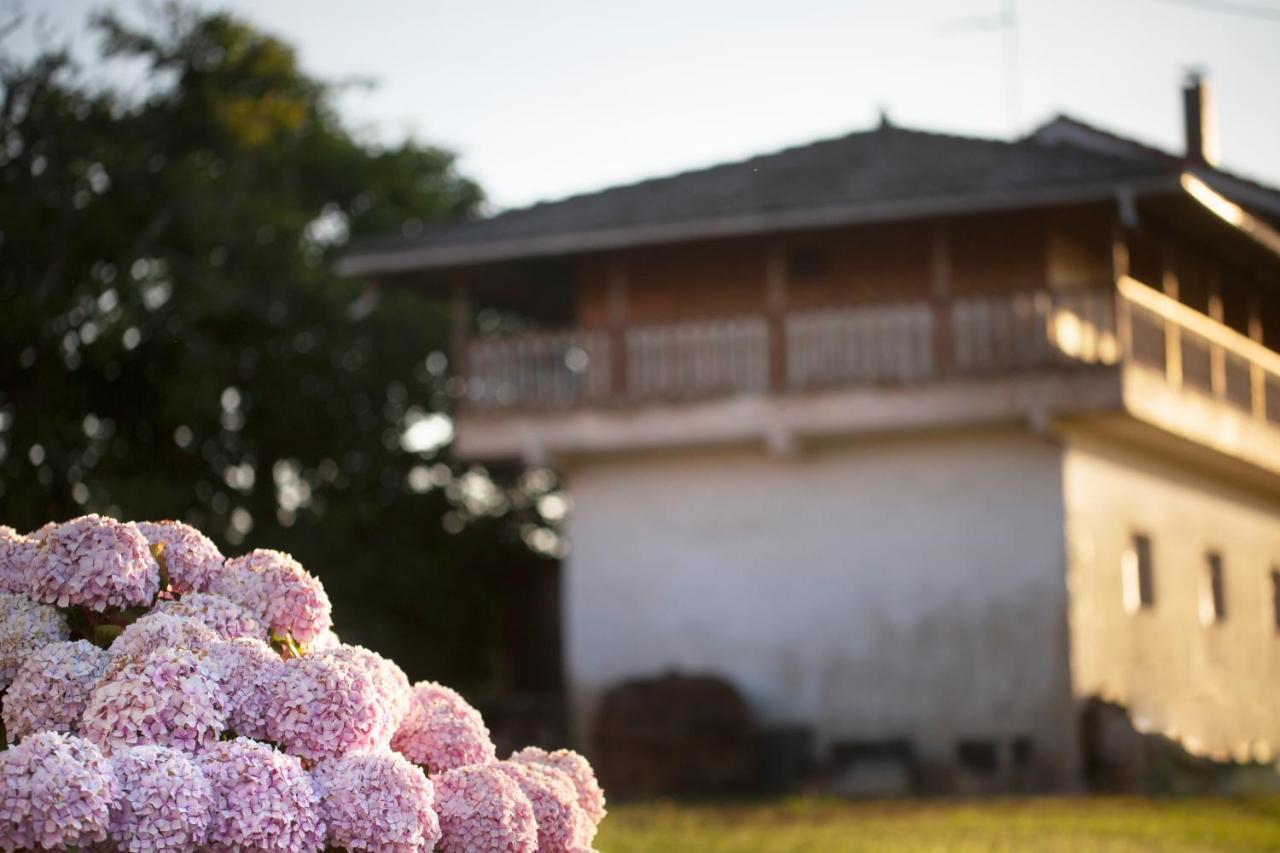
(694, 735)
(1119, 758)
(675, 734)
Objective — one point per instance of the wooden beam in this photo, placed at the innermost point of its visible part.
(619, 316)
(460, 329)
(1257, 378)
(775, 300)
(1172, 332)
(940, 293)
(1217, 356)
(1120, 272)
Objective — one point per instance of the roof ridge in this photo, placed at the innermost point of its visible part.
(766, 155)
(1148, 148)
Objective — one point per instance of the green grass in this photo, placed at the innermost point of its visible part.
(1050, 824)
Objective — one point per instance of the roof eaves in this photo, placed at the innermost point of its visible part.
(445, 256)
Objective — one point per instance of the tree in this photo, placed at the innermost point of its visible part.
(175, 345)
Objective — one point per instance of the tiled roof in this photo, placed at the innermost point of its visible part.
(885, 173)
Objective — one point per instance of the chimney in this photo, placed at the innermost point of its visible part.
(1198, 120)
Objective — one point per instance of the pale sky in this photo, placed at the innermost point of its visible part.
(545, 98)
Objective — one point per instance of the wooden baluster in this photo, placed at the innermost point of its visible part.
(1217, 358)
(1257, 376)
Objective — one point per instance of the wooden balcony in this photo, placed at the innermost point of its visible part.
(1126, 359)
(877, 346)
(881, 345)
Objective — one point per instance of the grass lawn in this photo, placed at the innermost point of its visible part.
(1058, 824)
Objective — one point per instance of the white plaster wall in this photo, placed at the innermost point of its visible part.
(1217, 687)
(911, 586)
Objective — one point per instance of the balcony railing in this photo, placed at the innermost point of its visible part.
(1196, 352)
(877, 345)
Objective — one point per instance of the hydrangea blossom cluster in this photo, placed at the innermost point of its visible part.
(52, 688)
(377, 801)
(157, 631)
(158, 697)
(56, 792)
(245, 669)
(262, 800)
(16, 551)
(323, 708)
(166, 698)
(93, 562)
(483, 810)
(26, 627)
(562, 824)
(279, 590)
(164, 801)
(190, 558)
(221, 615)
(389, 679)
(442, 732)
(590, 795)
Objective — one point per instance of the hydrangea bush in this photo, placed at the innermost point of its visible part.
(158, 696)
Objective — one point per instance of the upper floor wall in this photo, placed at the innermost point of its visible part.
(877, 264)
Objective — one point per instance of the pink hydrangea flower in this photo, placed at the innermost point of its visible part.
(167, 698)
(16, 552)
(273, 584)
(563, 827)
(326, 641)
(392, 683)
(222, 615)
(579, 771)
(56, 792)
(52, 688)
(25, 627)
(191, 559)
(245, 669)
(377, 801)
(94, 562)
(163, 801)
(441, 731)
(323, 708)
(262, 800)
(482, 810)
(157, 631)
(43, 530)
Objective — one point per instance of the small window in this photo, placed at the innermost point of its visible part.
(1138, 574)
(1024, 752)
(806, 262)
(1213, 600)
(978, 756)
(1275, 598)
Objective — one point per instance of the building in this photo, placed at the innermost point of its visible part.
(914, 438)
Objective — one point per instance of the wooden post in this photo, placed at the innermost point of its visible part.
(1257, 377)
(775, 300)
(1172, 334)
(460, 332)
(940, 292)
(1119, 270)
(619, 314)
(1217, 356)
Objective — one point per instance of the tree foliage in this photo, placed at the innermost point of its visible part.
(174, 343)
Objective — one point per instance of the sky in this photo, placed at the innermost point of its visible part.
(546, 98)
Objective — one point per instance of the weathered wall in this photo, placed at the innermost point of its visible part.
(1215, 687)
(906, 587)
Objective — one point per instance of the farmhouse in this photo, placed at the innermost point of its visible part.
(914, 438)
